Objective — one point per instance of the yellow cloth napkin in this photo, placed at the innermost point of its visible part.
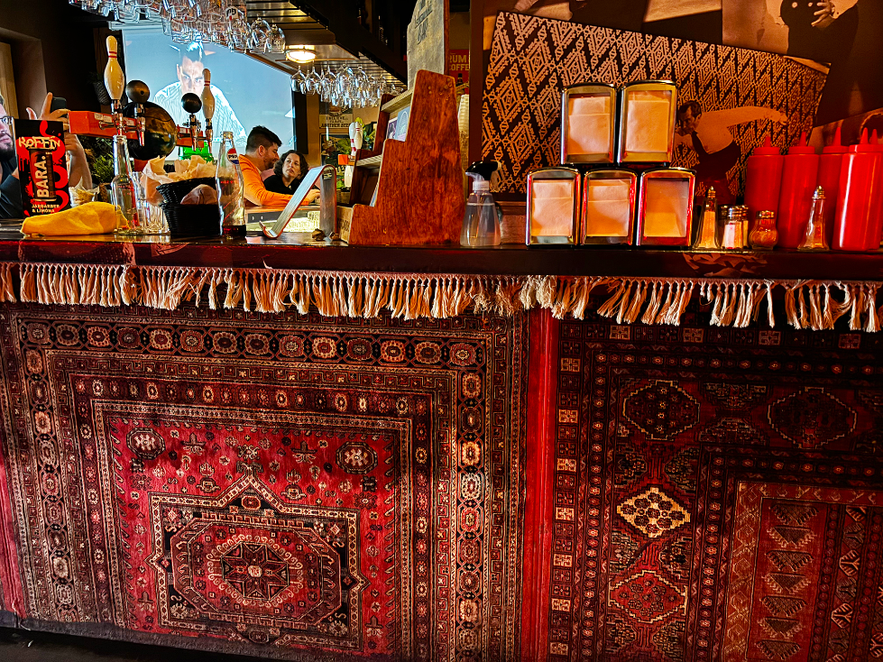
(90, 218)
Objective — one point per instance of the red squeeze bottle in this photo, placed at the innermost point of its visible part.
(875, 144)
(763, 178)
(799, 176)
(829, 179)
(860, 203)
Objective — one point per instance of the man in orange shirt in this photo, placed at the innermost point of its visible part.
(261, 153)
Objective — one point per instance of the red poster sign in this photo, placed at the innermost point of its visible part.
(42, 166)
(458, 66)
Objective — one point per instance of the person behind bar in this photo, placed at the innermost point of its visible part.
(261, 153)
(709, 136)
(191, 79)
(288, 173)
(10, 191)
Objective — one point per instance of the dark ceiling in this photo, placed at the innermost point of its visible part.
(380, 36)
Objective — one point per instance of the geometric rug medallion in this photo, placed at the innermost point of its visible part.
(717, 495)
(282, 485)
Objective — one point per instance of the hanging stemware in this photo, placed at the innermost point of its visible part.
(276, 39)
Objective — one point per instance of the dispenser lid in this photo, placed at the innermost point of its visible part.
(864, 147)
(874, 144)
(836, 146)
(767, 148)
(482, 170)
(802, 147)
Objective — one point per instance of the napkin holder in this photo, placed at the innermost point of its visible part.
(665, 208)
(608, 210)
(647, 116)
(588, 123)
(553, 204)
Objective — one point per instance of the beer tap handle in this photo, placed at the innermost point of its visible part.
(114, 78)
(139, 93)
(208, 105)
(192, 105)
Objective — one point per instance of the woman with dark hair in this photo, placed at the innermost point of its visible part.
(289, 171)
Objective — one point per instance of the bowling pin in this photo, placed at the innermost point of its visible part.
(114, 78)
(208, 105)
(208, 99)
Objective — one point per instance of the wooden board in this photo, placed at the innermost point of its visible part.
(428, 38)
(7, 80)
(420, 188)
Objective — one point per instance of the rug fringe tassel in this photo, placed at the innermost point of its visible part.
(71, 284)
(7, 290)
(654, 305)
(164, 287)
(609, 307)
(873, 324)
(808, 304)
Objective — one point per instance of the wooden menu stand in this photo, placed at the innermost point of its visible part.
(419, 195)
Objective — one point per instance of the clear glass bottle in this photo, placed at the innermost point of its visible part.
(707, 237)
(123, 189)
(481, 224)
(815, 238)
(228, 181)
(746, 226)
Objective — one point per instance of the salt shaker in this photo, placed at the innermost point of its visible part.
(733, 239)
(816, 238)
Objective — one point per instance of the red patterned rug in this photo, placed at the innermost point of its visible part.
(285, 486)
(714, 495)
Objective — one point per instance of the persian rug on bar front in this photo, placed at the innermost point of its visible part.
(716, 494)
(285, 486)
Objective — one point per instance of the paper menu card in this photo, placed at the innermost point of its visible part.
(588, 124)
(551, 207)
(666, 205)
(608, 210)
(647, 123)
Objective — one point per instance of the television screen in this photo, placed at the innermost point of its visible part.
(247, 92)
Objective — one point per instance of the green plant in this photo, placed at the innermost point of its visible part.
(102, 169)
(99, 154)
(368, 135)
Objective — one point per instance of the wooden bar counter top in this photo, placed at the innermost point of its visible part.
(513, 259)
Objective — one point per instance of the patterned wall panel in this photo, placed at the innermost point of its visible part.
(533, 59)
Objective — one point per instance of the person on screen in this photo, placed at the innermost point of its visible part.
(10, 191)
(191, 79)
(709, 136)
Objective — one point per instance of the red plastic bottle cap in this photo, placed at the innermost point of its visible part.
(874, 143)
(836, 146)
(802, 147)
(767, 148)
(864, 147)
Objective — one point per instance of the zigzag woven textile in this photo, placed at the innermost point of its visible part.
(533, 59)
